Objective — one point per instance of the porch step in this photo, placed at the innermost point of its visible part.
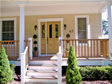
(41, 81)
(41, 74)
(43, 62)
(43, 68)
(42, 71)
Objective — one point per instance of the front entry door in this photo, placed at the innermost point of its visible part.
(50, 31)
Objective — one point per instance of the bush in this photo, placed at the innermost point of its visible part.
(96, 73)
(73, 75)
(6, 74)
(12, 66)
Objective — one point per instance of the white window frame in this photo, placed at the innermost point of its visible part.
(7, 19)
(76, 25)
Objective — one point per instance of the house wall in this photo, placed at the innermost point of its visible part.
(69, 20)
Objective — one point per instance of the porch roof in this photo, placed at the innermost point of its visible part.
(43, 7)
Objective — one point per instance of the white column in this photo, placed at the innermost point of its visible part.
(21, 30)
(110, 29)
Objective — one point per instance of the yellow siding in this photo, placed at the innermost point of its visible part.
(69, 20)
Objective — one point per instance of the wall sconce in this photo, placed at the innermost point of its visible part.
(65, 26)
(35, 27)
(71, 31)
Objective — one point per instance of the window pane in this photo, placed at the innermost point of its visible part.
(43, 31)
(50, 31)
(56, 30)
(8, 26)
(82, 28)
(82, 34)
(8, 30)
(81, 23)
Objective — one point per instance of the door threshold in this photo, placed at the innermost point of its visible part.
(42, 55)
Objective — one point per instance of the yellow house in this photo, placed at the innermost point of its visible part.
(44, 29)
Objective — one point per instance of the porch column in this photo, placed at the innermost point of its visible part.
(110, 29)
(21, 30)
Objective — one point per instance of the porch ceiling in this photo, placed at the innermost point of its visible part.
(43, 7)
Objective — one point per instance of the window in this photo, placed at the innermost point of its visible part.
(82, 28)
(56, 30)
(8, 30)
(43, 31)
(50, 31)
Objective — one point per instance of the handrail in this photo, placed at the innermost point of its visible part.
(24, 63)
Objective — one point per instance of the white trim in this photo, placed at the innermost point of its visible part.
(7, 19)
(39, 36)
(76, 25)
(110, 29)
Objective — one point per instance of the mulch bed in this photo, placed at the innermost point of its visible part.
(17, 81)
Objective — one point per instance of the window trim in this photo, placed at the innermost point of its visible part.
(87, 23)
(7, 19)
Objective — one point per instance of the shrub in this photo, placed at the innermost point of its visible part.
(96, 73)
(35, 48)
(6, 74)
(34, 36)
(12, 66)
(35, 42)
(72, 75)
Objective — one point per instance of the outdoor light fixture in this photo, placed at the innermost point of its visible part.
(65, 26)
(35, 27)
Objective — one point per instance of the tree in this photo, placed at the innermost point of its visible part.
(6, 74)
(72, 75)
(105, 27)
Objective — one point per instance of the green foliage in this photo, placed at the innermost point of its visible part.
(96, 73)
(72, 75)
(6, 74)
(105, 27)
(35, 48)
(35, 42)
(12, 66)
(34, 36)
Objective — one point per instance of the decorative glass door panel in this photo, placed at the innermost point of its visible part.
(43, 38)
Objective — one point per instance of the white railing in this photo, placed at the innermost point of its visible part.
(25, 57)
(59, 54)
(30, 47)
(24, 63)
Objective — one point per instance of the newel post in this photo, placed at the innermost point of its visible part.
(60, 61)
(30, 49)
(22, 68)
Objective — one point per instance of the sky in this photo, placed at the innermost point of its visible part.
(104, 15)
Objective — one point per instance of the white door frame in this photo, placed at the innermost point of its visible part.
(39, 33)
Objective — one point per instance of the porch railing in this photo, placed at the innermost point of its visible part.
(12, 48)
(90, 48)
(24, 63)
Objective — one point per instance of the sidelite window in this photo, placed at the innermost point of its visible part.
(82, 28)
(8, 30)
